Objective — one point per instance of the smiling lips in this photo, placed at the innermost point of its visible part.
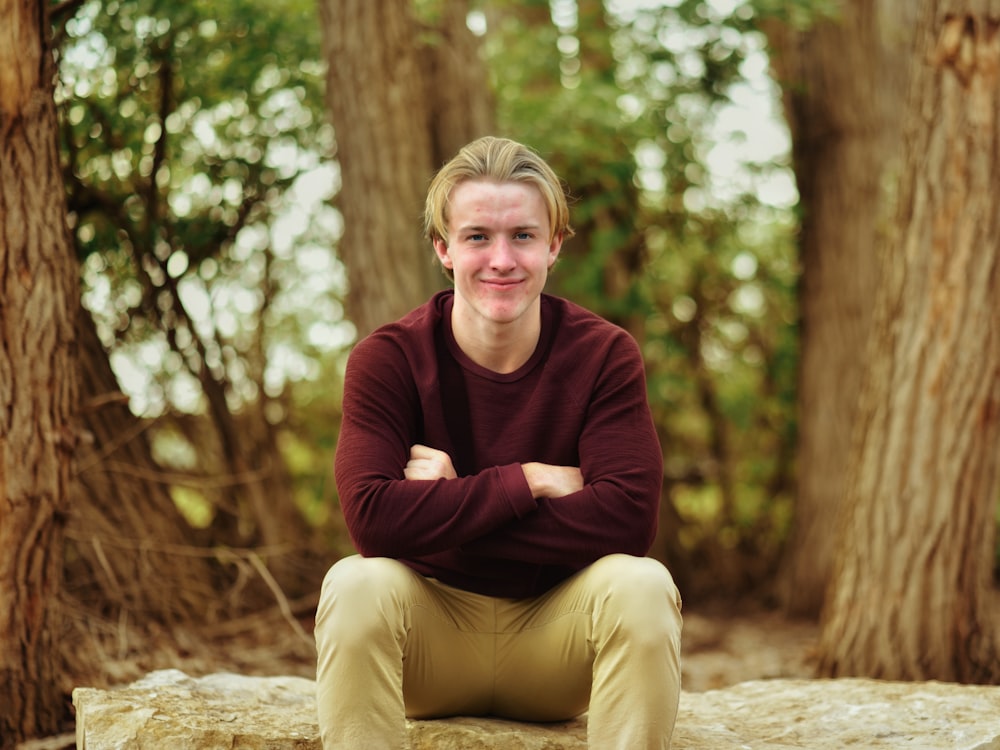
(502, 283)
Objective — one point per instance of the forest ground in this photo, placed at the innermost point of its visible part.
(726, 644)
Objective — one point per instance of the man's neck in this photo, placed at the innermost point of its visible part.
(500, 347)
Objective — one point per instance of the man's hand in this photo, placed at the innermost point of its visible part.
(428, 463)
(548, 480)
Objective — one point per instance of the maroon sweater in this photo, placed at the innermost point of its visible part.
(579, 401)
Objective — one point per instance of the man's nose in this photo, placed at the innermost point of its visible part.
(502, 254)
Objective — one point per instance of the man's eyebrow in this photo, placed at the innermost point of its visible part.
(482, 228)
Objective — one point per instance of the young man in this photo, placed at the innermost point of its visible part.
(500, 476)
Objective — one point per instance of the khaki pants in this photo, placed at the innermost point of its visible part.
(392, 643)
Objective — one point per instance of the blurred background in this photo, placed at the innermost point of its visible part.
(244, 183)
(208, 196)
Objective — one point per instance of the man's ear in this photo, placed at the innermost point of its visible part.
(441, 248)
(554, 247)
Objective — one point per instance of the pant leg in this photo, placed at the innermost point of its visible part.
(637, 667)
(611, 632)
(360, 633)
(391, 643)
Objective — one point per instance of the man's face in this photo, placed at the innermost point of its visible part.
(498, 249)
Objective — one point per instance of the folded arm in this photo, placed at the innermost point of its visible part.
(399, 498)
(611, 502)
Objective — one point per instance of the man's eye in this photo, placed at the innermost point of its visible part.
(522, 236)
(477, 237)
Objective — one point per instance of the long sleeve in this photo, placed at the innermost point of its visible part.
(393, 517)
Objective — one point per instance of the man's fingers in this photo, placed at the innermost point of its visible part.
(428, 463)
(418, 451)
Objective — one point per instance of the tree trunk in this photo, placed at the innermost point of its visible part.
(843, 82)
(404, 94)
(909, 598)
(38, 297)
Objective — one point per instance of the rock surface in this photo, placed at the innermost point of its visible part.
(169, 709)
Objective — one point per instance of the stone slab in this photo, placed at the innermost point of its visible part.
(169, 709)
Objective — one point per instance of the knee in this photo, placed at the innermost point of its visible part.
(358, 594)
(639, 577)
(644, 596)
(357, 575)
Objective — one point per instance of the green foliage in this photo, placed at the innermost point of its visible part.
(798, 14)
(198, 164)
(187, 130)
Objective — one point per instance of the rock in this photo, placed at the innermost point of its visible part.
(860, 713)
(168, 709)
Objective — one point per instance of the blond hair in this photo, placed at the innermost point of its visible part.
(496, 160)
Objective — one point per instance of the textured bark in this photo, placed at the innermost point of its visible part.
(38, 296)
(843, 80)
(909, 598)
(404, 94)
